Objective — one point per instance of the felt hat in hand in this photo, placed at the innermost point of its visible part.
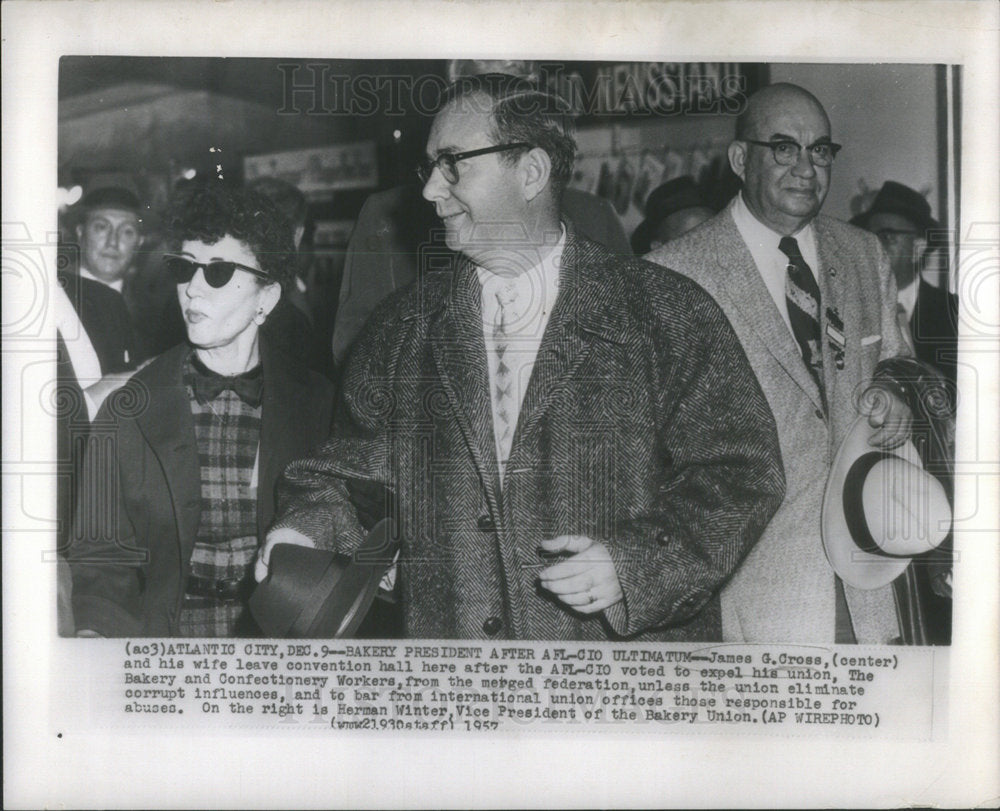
(880, 510)
(316, 593)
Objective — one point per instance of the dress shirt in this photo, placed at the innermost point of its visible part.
(770, 261)
(535, 289)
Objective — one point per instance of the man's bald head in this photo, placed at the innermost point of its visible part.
(762, 105)
(782, 153)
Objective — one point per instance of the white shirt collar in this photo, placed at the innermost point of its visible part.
(771, 263)
(759, 236)
(116, 285)
(907, 297)
(538, 284)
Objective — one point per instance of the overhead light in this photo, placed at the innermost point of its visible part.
(70, 196)
(188, 174)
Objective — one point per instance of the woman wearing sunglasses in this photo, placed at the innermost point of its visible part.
(179, 481)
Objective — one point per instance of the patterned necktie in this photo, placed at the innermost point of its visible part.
(803, 299)
(505, 401)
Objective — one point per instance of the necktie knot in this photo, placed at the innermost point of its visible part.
(507, 300)
(789, 246)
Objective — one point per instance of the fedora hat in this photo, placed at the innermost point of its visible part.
(880, 509)
(666, 199)
(895, 198)
(318, 594)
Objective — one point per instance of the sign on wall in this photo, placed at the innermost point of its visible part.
(321, 171)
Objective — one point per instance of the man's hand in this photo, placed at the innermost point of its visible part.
(889, 414)
(586, 579)
(276, 536)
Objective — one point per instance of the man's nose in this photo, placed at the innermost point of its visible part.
(436, 187)
(804, 165)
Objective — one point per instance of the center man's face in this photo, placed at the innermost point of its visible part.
(787, 197)
(485, 209)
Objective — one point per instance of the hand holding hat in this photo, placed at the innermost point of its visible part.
(880, 510)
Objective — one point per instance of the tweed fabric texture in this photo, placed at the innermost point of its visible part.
(642, 427)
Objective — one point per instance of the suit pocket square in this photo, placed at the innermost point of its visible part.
(870, 339)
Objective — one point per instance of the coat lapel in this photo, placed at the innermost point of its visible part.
(459, 351)
(584, 313)
(749, 295)
(168, 427)
(285, 390)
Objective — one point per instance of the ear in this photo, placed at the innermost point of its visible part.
(536, 169)
(269, 296)
(300, 231)
(919, 247)
(738, 158)
(79, 232)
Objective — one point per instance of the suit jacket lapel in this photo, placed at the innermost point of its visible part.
(745, 287)
(584, 312)
(168, 427)
(459, 351)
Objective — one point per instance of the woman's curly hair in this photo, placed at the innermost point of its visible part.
(208, 212)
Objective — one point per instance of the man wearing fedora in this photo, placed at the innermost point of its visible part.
(574, 442)
(814, 304)
(672, 209)
(109, 236)
(901, 218)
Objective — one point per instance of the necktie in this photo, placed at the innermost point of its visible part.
(248, 386)
(505, 402)
(803, 299)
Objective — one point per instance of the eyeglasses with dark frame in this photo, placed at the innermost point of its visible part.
(217, 273)
(447, 162)
(786, 151)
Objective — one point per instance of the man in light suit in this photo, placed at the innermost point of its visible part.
(575, 440)
(813, 302)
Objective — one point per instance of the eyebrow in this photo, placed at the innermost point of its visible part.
(447, 150)
(780, 136)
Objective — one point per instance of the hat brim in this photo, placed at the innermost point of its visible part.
(318, 594)
(853, 565)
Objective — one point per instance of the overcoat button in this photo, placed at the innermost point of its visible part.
(485, 524)
(663, 539)
(492, 626)
(819, 414)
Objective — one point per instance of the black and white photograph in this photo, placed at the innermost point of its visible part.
(587, 399)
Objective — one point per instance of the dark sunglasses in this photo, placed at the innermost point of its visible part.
(217, 273)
